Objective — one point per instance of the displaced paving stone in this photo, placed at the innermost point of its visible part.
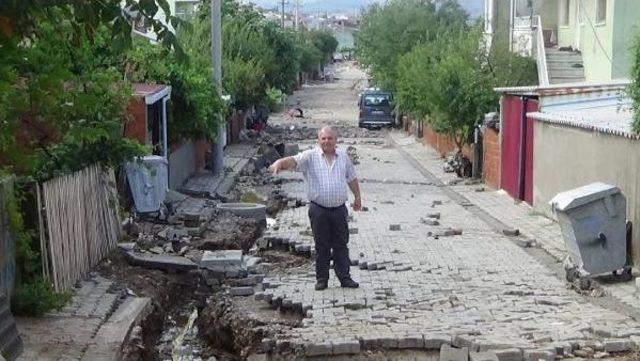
(619, 345)
(415, 341)
(160, 261)
(394, 227)
(429, 221)
(537, 355)
(345, 347)
(449, 353)
(511, 232)
(318, 349)
(219, 259)
(435, 342)
(268, 345)
(483, 356)
(509, 354)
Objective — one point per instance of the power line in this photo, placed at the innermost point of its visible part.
(595, 34)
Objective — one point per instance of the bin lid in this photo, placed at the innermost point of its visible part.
(576, 197)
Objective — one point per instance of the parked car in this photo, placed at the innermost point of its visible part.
(376, 109)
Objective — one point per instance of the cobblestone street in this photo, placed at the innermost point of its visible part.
(432, 271)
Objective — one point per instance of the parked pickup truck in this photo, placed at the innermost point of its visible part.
(376, 109)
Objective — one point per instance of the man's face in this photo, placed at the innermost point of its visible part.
(327, 141)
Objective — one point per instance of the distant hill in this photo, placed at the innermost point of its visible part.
(473, 7)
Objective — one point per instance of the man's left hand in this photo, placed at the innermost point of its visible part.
(357, 204)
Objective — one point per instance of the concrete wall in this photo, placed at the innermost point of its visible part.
(568, 157)
(182, 163)
(625, 28)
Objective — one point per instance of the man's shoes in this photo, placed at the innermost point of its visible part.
(349, 283)
(322, 285)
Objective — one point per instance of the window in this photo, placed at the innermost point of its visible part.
(564, 12)
(601, 11)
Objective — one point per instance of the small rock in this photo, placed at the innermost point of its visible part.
(429, 222)
(481, 189)
(394, 227)
(511, 232)
(599, 355)
(434, 215)
(353, 231)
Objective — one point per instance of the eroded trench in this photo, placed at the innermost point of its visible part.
(194, 316)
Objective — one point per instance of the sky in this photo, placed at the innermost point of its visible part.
(473, 7)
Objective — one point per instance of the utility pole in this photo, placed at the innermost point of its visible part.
(282, 16)
(297, 14)
(216, 62)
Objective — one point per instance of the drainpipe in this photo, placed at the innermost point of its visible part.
(165, 152)
(523, 147)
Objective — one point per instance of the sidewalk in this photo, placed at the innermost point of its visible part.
(236, 157)
(94, 326)
(517, 215)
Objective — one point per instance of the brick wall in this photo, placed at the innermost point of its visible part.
(135, 124)
(491, 158)
(441, 143)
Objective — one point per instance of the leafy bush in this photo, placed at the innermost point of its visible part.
(274, 99)
(37, 298)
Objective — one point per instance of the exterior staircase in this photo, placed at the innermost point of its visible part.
(564, 66)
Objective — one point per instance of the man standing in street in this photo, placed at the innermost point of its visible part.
(327, 172)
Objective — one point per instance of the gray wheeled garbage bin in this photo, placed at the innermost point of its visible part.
(593, 223)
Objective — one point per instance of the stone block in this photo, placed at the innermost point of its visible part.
(462, 341)
(537, 355)
(619, 345)
(216, 259)
(411, 341)
(429, 221)
(241, 291)
(318, 349)
(483, 356)
(268, 345)
(345, 347)
(509, 354)
(388, 342)
(435, 342)
(449, 353)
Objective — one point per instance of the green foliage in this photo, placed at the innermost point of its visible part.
(434, 61)
(24, 16)
(273, 100)
(634, 87)
(389, 31)
(195, 104)
(36, 298)
(325, 42)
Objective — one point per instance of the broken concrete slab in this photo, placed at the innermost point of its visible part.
(318, 349)
(509, 354)
(160, 261)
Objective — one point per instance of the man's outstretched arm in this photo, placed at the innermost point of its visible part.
(286, 163)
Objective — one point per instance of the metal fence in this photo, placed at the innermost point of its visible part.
(79, 223)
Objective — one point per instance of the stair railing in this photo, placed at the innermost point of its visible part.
(541, 55)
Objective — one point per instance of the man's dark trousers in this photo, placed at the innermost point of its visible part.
(330, 231)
